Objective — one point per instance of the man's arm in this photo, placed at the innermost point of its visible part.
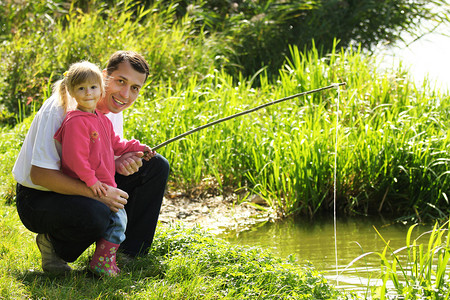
(59, 182)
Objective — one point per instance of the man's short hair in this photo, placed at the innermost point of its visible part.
(136, 61)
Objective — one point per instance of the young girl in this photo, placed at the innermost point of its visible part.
(88, 145)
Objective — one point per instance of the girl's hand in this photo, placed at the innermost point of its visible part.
(99, 189)
(148, 153)
(115, 198)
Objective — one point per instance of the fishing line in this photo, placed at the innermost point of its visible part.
(334, 184)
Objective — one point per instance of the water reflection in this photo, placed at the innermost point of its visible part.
(313, 241)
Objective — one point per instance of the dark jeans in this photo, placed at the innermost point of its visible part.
(75, 222)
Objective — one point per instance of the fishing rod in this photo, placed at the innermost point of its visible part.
(335, 85)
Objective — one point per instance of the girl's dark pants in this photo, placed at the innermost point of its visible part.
(75, 222)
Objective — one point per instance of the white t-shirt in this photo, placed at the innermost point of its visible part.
(40, 149)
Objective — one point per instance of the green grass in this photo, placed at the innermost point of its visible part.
(10, 142)
(182, 264)
(45, 45)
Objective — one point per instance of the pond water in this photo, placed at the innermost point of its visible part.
(314, 242)
(424, 57)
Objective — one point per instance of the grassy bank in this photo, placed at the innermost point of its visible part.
(182, 264)
(191, 264)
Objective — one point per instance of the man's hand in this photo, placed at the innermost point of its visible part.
(115, 198)
(129, 163)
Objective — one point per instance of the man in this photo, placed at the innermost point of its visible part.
(65, 213)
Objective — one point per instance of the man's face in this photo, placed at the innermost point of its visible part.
(122, 88)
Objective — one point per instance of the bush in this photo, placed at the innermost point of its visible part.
(260, 32)
(182, 38)
(237, 272)
(34, 58)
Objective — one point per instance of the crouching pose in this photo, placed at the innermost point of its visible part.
(70, 213)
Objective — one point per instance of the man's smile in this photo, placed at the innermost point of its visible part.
(118, 101)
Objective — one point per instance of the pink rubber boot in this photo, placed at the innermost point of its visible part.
(103, 263)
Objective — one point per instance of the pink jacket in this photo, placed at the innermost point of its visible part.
(89, 144)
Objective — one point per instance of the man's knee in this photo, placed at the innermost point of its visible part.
(162, 164)
(158, 165)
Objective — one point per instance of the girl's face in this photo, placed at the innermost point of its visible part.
(87, 95)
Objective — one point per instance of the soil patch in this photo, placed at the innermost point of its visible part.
(215, 214)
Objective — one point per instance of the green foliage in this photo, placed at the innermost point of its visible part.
(181, 39)
(260, 32)
(18, 17)
(36, 56)
(416, 271)
(10, 143)
(237, 272)
(21, 49)
(182, 264)
(392, 138)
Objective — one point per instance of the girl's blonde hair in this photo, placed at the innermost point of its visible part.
(78, 73)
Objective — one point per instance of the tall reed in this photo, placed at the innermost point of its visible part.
(418, 270)
(392, 138)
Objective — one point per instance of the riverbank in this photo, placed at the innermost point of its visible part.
(216, 214)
